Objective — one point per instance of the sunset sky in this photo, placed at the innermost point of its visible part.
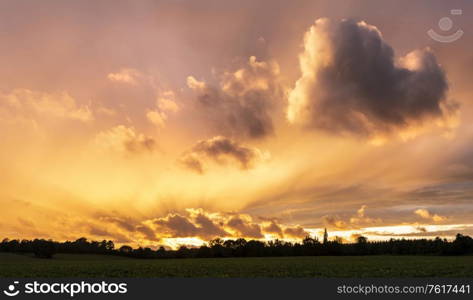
(174, 122)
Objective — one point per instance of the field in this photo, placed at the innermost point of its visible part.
(72, 265)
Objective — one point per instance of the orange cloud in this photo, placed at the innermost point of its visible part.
(425, 214)
(156, 117)
(41, 107)
(201, 224)
(360, 219)
(356, 221)
(165, 104)
(126, 75)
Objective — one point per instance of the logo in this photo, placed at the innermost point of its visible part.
(446, 24)
(11, 290)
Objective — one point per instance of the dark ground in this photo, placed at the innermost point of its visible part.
(84, 265)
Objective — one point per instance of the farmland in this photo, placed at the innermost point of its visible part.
(84, 265)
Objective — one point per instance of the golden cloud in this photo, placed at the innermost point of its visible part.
(165, 103)
(201, 224)
(126, 75)
(356, 221)
(156, 117)
(41, 107)
(425, 214)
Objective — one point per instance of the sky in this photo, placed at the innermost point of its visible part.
(174, 122)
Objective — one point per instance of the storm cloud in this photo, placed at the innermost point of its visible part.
(351, 83)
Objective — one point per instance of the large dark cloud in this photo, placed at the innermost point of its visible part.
(351, 82)
(219, 149)
(240, 105)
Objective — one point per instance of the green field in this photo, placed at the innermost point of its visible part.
(72, 265)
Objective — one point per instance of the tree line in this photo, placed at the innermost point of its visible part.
(461, 245)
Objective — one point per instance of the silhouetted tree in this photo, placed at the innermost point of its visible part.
(361, 247)
(242, 248)
(125, 249)
(43, 248)
(161, 253)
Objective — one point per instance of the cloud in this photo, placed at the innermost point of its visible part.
(126, 75)
(35, 105)
(165, 99)
(237, 225)
(201, 224)
(360, 219)
(124, 139)
(274, 229)
(192, 162)
(165, 104)
(421, 229)
(177, 225)
(25, 222)
(124, 223)
(354, 222)
(245, 227)
(211, 228)
(195, 224)
(219, 149)
(156, 117)
(351, 83)
(241, 103)
(334, 221)
(104, 233)
(425, 214)
(147, 232)
(127, 226)
(295, 232)
(429, 231)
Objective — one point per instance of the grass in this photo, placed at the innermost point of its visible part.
(77, 265)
